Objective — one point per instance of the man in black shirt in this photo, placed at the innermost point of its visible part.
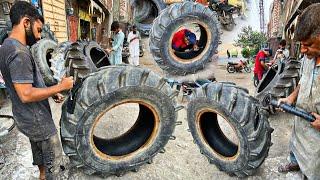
(27, 89)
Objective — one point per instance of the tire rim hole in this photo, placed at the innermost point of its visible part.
(219, 134)
(271, 74)
(119, 133)
(99, 57)
(202, 39)
(48, 57)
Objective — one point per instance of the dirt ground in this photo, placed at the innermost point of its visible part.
(182, 159)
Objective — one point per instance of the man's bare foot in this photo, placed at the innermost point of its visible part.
(42, 173)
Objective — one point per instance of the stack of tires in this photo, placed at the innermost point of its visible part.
(144, 12)
(72, 59)
(280, 81)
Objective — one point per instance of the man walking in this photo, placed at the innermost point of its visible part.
(28, 92)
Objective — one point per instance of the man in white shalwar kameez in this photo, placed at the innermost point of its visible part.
(134, 50)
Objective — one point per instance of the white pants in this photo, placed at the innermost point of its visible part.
(134, 60)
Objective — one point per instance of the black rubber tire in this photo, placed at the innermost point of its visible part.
(242, 112)
(58, 62)
(231, 69)
(279, 81)
(168, 22)
(48, 33)
(78, 64)
(247, 69)
(115, 85)
(3, 35)
(145, 26)
(97, 54)
(42, 53)
(142, 10)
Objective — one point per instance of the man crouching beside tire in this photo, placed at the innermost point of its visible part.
(28, 92)
(304, 143)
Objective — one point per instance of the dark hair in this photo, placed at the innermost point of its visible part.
(283, 43)
(308, 23)
(23, 9)
(115, 25)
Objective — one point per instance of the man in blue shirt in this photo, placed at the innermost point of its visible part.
(117, 44)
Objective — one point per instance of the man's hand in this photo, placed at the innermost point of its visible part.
(58, 98)
(286, 100)
(66, 83)
(316, 123)
(108, 50)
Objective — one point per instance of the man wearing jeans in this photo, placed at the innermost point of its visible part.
(28, 92)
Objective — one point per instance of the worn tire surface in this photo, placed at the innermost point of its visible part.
(96, 54)
(42, 53)
(142, 10)
(58, 61)
(168, 22)
(78, 64)
(281, 81)
(156, 7)
(103, 90)
(242, 113)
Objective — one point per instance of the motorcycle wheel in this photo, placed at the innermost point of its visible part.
(247, 69)
(231, 69)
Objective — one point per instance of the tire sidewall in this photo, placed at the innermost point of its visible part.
(166, 126)
(201, 103)
(165, 43)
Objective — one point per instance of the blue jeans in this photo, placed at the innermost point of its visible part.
(293, 158)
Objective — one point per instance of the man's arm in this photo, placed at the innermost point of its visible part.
(291, 98)
(28, 94)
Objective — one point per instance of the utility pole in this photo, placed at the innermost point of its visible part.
(261, 12)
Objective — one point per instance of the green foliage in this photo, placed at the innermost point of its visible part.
(245, 52)
(250, 40)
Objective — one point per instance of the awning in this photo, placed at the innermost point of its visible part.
(301, 5)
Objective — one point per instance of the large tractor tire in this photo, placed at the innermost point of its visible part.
(232, 105)
(279, 81)
(102, 91)
(96, 54)
(78, 64)
(42, 53)
(142, 10)
(58, 62)
(169, 22)
(145, 25)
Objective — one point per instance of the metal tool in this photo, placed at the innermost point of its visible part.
(269, 100)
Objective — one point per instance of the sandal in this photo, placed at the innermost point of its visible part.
(288, 167)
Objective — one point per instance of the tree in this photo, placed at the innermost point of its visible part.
(250, 39)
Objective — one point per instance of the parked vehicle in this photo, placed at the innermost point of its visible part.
(225, 14)
(238, 67)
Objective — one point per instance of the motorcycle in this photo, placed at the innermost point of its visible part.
(225, 13)
(238, 67)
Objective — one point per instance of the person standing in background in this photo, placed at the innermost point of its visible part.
(117, 44)
(134, 50)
